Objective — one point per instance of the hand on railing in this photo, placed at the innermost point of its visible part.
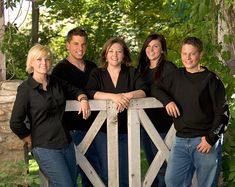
(84, 109)
(121, 101)
(172, 109)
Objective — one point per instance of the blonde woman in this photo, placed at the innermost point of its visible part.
(41, 99)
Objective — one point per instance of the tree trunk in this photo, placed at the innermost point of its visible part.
(2, 56)
(226, 26)
(35, 21)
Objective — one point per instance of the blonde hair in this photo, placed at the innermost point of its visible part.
(35, 52)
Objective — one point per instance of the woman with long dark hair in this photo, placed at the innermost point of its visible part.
(153, 66)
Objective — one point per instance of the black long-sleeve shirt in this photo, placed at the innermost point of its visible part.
(128, 80)
(202, 102)
(67, 71)
(159, 117)
(44, 110)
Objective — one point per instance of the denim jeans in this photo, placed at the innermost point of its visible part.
(91, 155)
(101, 144)
(150, 151)
(57, 165)
(185, 159)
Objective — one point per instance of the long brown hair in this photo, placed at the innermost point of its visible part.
(143, 60)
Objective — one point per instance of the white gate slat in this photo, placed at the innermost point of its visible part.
(153, 169)
(134, 149)
(153, 134)
(95, 105)
(88, 169)
(170, 136)
(91, 133)
(112, 143)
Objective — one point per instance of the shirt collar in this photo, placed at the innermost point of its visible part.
(34, 84)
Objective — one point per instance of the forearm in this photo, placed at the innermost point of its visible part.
(136, 94)
(103, 95)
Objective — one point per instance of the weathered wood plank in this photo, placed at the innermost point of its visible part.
(95, 105)
(91, 133)
(88, 169)
(134, 149)
(112, 143)
(153, 134)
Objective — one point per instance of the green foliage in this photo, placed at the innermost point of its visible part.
(15, 46)
(133, 20)
(13, 174)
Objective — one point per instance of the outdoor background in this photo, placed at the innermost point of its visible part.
(48, 21)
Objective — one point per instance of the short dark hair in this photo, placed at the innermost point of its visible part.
(77, 31)
(193, 41)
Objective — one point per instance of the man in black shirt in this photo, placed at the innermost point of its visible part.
(196, 98)
(76, 71)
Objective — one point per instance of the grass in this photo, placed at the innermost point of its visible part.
(34, 176)
(18, 174)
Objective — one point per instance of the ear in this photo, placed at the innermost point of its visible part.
(201, 55)
(67, 45)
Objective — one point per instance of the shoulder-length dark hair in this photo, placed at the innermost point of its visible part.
(106, 47)
(143, 60)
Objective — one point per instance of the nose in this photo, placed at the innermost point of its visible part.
(115, 53)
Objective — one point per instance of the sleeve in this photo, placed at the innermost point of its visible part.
(168, 69)
(58, 71)
(160, 89)
(70, 91)
(220, 108)
(19, 113)
(139, 82)
(93, 84)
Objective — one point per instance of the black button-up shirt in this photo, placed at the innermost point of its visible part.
(44, 111)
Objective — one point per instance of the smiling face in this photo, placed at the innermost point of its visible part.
(154, 50)
(191, 56)
(77, 47)
(41, 64)
(115, 55)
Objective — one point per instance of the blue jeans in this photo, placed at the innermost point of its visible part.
(57, 165)
(101, 143)
(91, 155)
(150, 151)
(185, 159)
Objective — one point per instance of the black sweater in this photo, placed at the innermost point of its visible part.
(202, 102)
(67, 71)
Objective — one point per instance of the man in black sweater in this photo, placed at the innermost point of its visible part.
(75, 70)
(195, 97)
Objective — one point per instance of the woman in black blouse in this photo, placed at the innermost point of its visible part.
(116, 81)
(41, 99)
(154, 66)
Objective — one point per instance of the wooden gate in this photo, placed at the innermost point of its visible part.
(136, 117)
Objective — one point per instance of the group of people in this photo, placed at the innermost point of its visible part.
(193, 97)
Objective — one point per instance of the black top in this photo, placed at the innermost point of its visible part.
(159, 117)
(128, 80)
(44, 110)
(67, 71)
(202, 102)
